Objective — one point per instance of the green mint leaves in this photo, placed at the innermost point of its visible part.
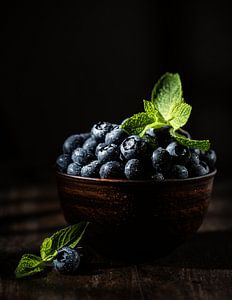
(29, 264)
(166, 94)
(136, 123)
(199, 144)
(167, 107)
(70, 236)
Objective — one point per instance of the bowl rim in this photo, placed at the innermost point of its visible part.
(102, 180)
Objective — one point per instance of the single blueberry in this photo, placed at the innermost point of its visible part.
(82, 156)
(179, 154)
(209, 157)
(158, 177)
(72, 142)
(161, 160)
(199, 170)
(74, 169)
(63, 161)
(178, 172)
(194, 159)
(90, 144)
(134, 147)
(112, 169)
(115, 136)
(134, 169)
(91, 170)
(108, 153)
(99, 146)
(163, 136)
(67, 260)
(100, 129)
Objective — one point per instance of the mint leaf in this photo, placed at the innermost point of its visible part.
(29, 264)
(180, 115)
(45, 250)
(153, 112)
(69, 236)
(136, 123)
(148, 107)
(166, 94)
(197, 144)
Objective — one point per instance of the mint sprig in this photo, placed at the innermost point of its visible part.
(70, 236)
(166, 107)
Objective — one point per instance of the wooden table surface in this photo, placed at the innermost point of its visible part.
(199, 269)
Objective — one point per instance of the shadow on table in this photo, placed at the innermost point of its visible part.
(206, 250)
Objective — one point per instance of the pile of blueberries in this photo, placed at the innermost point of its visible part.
(109, 152)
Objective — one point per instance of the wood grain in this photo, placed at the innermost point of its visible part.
(199, 269)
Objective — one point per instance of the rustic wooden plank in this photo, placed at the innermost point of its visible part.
(199, 269)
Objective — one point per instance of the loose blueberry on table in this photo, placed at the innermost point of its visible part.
(67, 260)
(151, 145)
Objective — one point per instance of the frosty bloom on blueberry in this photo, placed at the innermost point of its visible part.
(67, 260)
(150, 145)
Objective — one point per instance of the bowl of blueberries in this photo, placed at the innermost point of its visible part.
(143, 185)
(139, 195)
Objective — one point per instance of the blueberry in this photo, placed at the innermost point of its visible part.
(209, 157)
(151, 142)
(85, 136)
(74, 169)
(72, 142)
(112, 169)
(161, 160)
(108, 153)
(194, 159)
(100, 129)
(122, 158)
(67, 260)
(90, 144)
(163, 136)
(99, 146)
(197, 151)
(199, 170)
(115, 126)
(179, 172)
(134, 169)
(151, 132)
(179, 154)
(91, 170)
(134, 147)
(82, 156)
(63, 161)
(115, 136)
(158, 177)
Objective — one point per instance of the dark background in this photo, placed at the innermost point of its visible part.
(66, 67)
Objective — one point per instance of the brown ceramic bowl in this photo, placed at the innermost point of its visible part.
(131, 217)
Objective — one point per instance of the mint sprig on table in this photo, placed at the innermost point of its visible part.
(166, 108)
(70, 236)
